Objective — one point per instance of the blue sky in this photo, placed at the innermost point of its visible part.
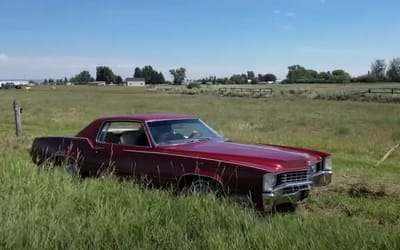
(57, 38)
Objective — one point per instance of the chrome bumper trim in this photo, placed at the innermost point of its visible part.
(321, 178)
(286, 193)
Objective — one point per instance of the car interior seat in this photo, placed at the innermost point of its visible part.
(128, 138)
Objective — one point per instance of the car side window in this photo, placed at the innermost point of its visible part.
(124, 133)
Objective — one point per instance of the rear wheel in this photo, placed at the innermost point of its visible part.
(70, 165)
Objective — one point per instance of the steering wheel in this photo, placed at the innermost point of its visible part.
(194, 134)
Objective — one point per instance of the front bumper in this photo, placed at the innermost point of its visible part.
(321, 178)
(294, 192)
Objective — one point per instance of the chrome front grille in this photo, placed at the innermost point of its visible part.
(290, 177)
(294, 189)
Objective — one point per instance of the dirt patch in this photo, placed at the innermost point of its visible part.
(363, 190)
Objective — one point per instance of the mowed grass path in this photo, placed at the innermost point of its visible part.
(49, 209)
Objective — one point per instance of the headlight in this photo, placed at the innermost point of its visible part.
(328, 163)
(269, 181)
(313, 169)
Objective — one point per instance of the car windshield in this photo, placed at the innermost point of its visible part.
(181, 131)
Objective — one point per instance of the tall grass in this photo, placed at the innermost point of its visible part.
(334, 92)
(48, 209)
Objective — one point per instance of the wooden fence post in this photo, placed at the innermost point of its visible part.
(17, 116)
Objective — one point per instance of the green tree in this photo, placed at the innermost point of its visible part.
(378, 69)
(104, 73)
(326, 76)
(82, 78)
(157, 77)
(340, 76)
(138, 73)
(250, 75)
(364, 78)
(238, 79)
(179, 75)
(118, 79)
(148, 74)
(393, 72)
(224, 80)
(269, 77)
(161, 77)
(312, 73)
(297, 73)
(338, 72)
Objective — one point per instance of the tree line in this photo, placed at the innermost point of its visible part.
(382, 72)
(104, 73)
(379, 71)
(299, 74)
(245, 78)
(150, 75)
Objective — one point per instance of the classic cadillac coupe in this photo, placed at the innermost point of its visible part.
(182, 152)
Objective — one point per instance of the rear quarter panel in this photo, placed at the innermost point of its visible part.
(47, 148)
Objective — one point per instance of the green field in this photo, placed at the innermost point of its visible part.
(42, 209)
(338, 92)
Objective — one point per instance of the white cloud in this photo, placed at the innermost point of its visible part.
(290, 14)
(277, 12)
(3, 57)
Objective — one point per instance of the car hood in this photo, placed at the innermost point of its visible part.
(269, 158)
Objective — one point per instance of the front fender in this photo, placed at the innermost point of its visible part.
(200, 174)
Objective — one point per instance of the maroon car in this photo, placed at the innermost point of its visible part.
(182, 152)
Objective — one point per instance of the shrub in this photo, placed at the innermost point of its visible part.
(193, 85)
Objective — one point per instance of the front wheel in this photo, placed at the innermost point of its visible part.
(202, 186)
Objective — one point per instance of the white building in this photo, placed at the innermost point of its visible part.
(97, 83)
(135, 82)
(14, 82)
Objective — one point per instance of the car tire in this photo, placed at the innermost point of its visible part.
(71, 166)
(204, 186)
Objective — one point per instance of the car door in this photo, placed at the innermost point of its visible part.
(124, 148)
